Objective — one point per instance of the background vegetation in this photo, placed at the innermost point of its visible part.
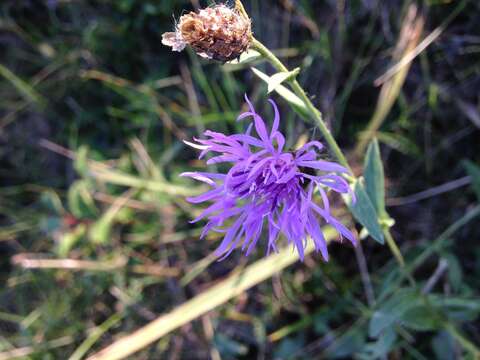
(94, 230)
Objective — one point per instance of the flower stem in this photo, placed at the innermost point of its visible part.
(300, 92)
(393, 247)
(240, 8)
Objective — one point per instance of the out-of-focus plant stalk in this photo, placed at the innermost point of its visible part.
(463, 341)
(240, 8)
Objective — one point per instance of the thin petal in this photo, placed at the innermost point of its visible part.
(209, 195)
(222, 159)
(257, 231)
(227, 240)
(196, 146)
(272, 235)
(341, 229)
(276, 120)
(258, 167)
(280, 141)
(323, 165)
(311, 144)
(317, 236)
(209, 210)
(259, 123)
(326, 203)
(247, 139)
(288, 176)
(198, 176)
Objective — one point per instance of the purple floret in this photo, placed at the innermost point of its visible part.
(267, 189)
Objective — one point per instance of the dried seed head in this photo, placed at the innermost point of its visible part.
(219, 32)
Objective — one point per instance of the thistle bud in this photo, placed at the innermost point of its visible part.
(219, 33)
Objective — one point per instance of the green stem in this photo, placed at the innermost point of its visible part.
(463, 341)
(241, 9)
(300, 92)
(393, 247)
(397, 254)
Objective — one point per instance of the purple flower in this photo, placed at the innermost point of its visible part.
(267, 188)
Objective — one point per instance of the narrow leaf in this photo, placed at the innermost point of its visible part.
(246, 57)
(70, 239)
(95, 335)
(23, 87)
(81, 161)
(454, 274)
(364, 211)
(347, 344)
(392, 311)
(100, 231)
(283, 92)
(80, 201)
(421, 318)
(374, 178)
(399, 143)
(277, 79)
(380, 348)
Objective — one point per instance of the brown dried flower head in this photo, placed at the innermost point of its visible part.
(219, 33)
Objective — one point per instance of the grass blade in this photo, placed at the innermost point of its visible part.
(95, 335)
(27, 91)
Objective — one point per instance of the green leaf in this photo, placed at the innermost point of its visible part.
(52, 202)
(70, 239)
(381, 347)
(474, 171)
(400, 143)
(288, 95)
(81, 161)
(246, 57)
(388, 282)
(347, 344)
(100, 231)
(457, 308)
(364, 211)
(454, 274)
(276, 80)
(444, 346)
(421, 318)
(289, 346)
(374, 178)
(80, 202)
(392, 311)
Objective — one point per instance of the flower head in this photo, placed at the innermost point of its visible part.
(218, 32)
(267, 188)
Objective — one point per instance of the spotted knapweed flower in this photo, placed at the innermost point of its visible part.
(267, 188)
(218, 32)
